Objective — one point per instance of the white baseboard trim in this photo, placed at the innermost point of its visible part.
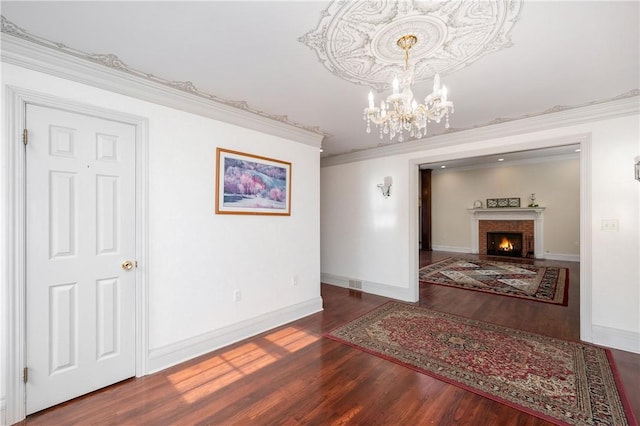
(175, 353)
(336, 280)
(386, 290)
(452, 249)
(561, 256)
(545, 256)
(616, 338)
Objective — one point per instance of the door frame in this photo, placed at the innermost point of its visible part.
(14, 261)
(586, 255)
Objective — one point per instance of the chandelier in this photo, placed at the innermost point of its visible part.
(400, 112)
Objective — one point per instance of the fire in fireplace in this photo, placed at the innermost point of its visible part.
(504, 244)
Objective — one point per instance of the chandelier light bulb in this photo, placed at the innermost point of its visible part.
(436, 83)
(401, 112)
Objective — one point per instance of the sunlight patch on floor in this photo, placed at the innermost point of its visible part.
(292, 339)
(229, 366)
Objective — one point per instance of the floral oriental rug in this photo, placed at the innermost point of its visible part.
(540, 283)
(557, 380)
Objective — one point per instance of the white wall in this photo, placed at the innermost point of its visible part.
(610, 276)
(197, 258)
(616, 255)
(362, 230)
(556, 184)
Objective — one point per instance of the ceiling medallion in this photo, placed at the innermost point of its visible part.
(357, 40)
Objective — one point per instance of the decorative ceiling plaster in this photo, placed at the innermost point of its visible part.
(357, 40)
(529, 86)
(113, 62)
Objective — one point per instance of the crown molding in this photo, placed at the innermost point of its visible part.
(109, 73)
(625, 105)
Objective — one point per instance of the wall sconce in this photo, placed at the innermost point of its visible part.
(638, 170)
(385, 187)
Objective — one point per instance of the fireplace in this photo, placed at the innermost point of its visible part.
(504, 244)
(526, 221)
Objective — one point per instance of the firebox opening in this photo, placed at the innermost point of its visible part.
(504, 244)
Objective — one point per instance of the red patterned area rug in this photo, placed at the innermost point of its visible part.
(540, 283)
(557, 380)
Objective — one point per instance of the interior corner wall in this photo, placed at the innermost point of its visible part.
(196, 258)
(366, 237)
(362, 230)
(556, 184)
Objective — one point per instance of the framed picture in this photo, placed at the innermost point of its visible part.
(250, 184)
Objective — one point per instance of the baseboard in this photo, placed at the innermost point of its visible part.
(546, 256)
(561, 256)
(452, 249)
(386, 290)
(175, 353)
(616, 338)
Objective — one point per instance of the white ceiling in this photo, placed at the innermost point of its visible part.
(543, 155)
(562, 53)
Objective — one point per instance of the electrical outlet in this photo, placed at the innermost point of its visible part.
(237, 296)
(609, 225)
(294, 280)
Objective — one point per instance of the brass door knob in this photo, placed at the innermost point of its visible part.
(127, 265)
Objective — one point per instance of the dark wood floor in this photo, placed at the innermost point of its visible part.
(292, 375)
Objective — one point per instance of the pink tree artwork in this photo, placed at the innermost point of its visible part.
(253, 184)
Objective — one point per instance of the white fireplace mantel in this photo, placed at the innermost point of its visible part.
(509, 213)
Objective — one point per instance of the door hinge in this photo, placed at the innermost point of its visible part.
(25, 136)
(25, 374)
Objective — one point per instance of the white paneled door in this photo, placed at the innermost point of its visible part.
(80, 301)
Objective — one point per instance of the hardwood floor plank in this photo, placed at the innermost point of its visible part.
(294, 376)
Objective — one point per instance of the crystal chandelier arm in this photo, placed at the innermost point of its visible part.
(401, 112)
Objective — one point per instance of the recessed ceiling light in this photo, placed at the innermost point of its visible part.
(577, 149)
(443, 167)
(321, 150)
(500, 159)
